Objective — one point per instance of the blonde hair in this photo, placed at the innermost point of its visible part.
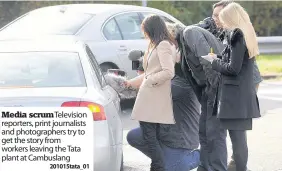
(235, 16)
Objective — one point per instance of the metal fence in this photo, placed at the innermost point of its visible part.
(270, 45)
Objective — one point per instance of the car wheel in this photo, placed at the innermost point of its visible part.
(127, 103)
(121, 164)
(106, 67)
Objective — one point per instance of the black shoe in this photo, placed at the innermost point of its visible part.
(157, 169)
(154, 168)
(232, 166)
(200, 168)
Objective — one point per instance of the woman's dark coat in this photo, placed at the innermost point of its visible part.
(237, 95)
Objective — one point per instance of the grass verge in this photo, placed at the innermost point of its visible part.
(275, 79)
(270, 64)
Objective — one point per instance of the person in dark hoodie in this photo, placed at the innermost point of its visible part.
(193, 42)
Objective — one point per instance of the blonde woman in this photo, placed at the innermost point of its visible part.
(237, 100)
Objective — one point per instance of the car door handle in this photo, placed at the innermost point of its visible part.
(122, 48)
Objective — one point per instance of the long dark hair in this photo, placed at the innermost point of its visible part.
(155, 28)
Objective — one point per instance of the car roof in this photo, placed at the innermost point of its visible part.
(47, 44)
(99, 8)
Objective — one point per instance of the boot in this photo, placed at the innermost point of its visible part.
(200, 168)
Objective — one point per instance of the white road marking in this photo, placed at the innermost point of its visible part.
(271, 91)
(271, 83)
(270, 98)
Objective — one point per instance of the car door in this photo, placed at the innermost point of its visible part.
(107, 90)
(130, 27)
(112, 108)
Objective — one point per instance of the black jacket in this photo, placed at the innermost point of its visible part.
(186, 109)
(223, 36)
(198, 42)
(237, 95)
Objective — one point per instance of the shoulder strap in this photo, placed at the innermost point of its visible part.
(148, 57)
(185, 54)
(184, 50)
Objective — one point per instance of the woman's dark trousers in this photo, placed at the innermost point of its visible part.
(154, 149)
(240, 149)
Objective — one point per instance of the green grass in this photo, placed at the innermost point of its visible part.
(270, 64)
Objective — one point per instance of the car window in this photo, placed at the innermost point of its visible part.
(111, 30)
(96, 67)
(41, 69)
(130, 26)
(145, 14)
(47, 21)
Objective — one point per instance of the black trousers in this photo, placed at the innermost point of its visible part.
(240, 149)
(244, 143)
(154, 149)
(212, 140)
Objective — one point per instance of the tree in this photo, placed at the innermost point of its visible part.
(265, 15)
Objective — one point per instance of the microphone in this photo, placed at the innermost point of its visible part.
(135, 55)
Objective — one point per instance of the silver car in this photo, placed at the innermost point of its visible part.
(110, 30)
(54, 73)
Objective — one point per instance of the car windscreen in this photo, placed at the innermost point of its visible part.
(47, 21)
(41, 69)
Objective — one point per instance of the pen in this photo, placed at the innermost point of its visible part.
(211, 51)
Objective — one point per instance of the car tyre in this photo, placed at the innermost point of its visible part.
(106, 67)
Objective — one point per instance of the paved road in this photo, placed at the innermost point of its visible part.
(270, 97)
